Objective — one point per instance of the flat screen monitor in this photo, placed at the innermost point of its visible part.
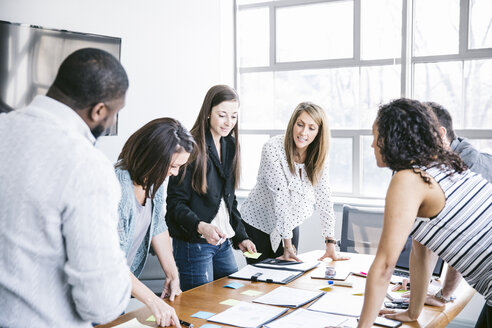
(31, 55)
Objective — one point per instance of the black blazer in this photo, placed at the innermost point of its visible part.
(186, 208)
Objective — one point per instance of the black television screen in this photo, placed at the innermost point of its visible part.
(30, 56)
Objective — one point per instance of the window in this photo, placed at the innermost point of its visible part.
(350, 56)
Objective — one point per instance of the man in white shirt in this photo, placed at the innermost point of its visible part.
(60, 260)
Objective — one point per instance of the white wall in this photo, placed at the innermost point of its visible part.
(171, 51)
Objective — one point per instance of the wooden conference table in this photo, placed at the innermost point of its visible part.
(208, 297)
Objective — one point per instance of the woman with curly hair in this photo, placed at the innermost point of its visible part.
(434, 197)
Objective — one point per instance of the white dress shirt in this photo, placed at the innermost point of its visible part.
(281, 201)
(60, 260)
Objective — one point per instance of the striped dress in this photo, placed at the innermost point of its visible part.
(461, 234)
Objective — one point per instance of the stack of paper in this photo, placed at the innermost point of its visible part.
(248, 315)
(302, 318)
(289, 297)
(348, 305)
(266, 275)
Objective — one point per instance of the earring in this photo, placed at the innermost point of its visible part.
(208, 118)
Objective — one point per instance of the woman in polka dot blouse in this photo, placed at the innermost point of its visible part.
(293, 177)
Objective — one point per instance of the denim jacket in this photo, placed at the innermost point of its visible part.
(126, 225)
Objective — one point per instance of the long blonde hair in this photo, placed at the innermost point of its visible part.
(317, 150)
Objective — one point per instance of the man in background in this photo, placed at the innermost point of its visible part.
(61, 264)
(475, 160)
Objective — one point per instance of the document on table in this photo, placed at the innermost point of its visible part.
(131, 324)
(302, 318)
(253, 273)
(248, 315)
(348, 305)
(287, 265)
(289, 297)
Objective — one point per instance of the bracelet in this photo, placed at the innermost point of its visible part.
(330, 241)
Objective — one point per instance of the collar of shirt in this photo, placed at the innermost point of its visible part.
(62, 115)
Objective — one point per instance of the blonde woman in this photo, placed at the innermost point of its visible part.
(293, 177)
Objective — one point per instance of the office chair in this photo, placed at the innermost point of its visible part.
(361, 229)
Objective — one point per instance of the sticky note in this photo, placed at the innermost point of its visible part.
(252, 255)
(325, 288)
(234, 285)
(203, 315)
(251, 292)
(151, 318)
(209, 325)
(230, 302)
(358, 293)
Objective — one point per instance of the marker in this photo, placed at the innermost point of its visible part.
(185, 323)
(340, 283)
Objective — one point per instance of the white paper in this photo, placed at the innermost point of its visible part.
(302, 318)
(287, 296)
(300, 266)
(349, 305)
(273, 274)
(131, 324)
(248, 315)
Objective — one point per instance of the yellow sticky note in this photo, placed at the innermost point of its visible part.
(151, 318)
(358, 293)
(252, 255)
(325, 288)
(251, 292)
(230, 302)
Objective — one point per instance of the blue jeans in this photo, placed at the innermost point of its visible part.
(199, 264)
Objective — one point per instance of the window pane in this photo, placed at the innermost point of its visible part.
(315, 32)
(341, 165)
(253, 37)
(375, 180)
(335, 90)
(478, 94)
(247, 2)
(381, 29)
(379, 85)
(436, 27)
(480, 24)
(256, 97)
(441, 83)
(251, 145)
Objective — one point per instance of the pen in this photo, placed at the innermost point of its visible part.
(185, 323)
(340, 283)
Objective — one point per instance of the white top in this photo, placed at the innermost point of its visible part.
(60, 261)
(281, 201)
(143, 217)
(222, 221)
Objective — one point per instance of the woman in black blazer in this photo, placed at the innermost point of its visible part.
(202, 213)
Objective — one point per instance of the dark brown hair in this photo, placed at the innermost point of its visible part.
(215, 95)
(147, 154)
(408, 138)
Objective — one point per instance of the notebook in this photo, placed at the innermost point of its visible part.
(248, 315)
(288, 297)
(402, 268)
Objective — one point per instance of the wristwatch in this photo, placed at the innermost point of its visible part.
(330, 241)
(441, 298)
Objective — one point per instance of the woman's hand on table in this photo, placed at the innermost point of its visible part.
(331, 253)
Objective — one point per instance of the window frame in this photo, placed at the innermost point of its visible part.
(407, 62)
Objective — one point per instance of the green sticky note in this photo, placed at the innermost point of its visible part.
(251, 292)
(151, 318)
(230, 302)
(252, 255)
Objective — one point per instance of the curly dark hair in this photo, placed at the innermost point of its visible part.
(409, 138)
